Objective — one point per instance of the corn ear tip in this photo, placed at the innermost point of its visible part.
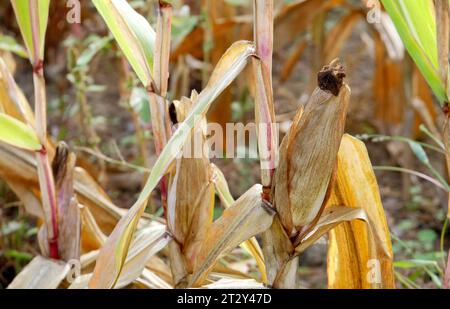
(331, 77)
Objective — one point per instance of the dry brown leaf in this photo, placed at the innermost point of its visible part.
(331, 217)
(247, 217)
(92, 237)
(40, 273)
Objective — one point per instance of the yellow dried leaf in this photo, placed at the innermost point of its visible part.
(247, 217)
(349, 252)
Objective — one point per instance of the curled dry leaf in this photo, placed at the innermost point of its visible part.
(148, 241)
(251, 245)
(69, 220)
(308, 152)
(350, 243)
(247, 217)
(41, 273)
(278, 250)
(331, 217)
(92, 237)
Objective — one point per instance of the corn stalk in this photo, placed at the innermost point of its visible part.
(264, 107)
(32, 17)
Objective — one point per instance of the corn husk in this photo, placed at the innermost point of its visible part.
(278, 249)
(191, 199)
(69, 221)
(308, 152)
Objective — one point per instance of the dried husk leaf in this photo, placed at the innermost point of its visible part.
(178, 265)
(350, 244)
(68, 211)
(278, 250)
(308, 152)
(194, 195)
(191, 199)
(247, 217)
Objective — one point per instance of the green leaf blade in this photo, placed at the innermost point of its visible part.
(133, 34)
(416, 25)
(18, 134)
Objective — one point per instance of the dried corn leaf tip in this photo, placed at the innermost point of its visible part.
(59, 163)
(308, 152)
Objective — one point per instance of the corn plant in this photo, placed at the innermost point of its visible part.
(320, 181)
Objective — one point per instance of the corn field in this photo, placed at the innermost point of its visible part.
(254, 144)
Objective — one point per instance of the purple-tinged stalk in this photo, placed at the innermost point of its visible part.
(46, 182)
(32, 17)
(264, 107)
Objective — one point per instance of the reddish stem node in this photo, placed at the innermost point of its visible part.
(446, 110)
(53, 248)
(38, 68)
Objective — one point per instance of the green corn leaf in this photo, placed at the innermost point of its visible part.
(32, 17)
(406, 264)
(18, 134)
(416, 24)
(133, 33)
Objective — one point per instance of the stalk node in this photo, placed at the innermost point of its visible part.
(38, 68)
(446, 110)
